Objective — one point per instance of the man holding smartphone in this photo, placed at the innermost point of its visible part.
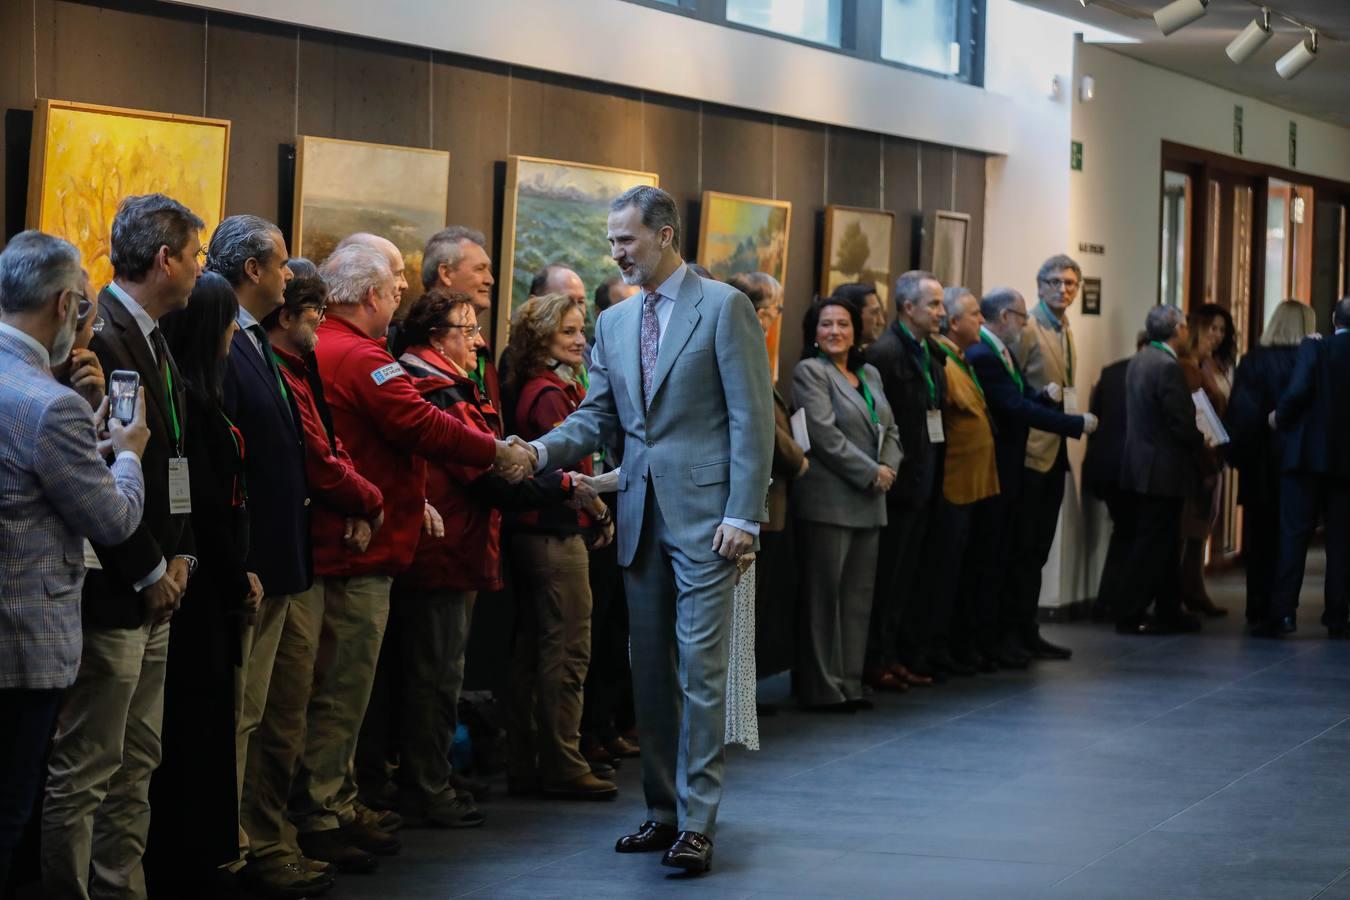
(107, 740)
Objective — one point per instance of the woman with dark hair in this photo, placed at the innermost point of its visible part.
(551, 652)
(1207, 365)
(840, 501)
(191, 838)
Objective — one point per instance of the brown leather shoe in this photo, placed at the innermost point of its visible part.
(383, 819)
(317, 866)
(691, 851)
(649, 836)
(334, 847)
(371, 839)
(583, 787)
(283, 882)
(623, 748)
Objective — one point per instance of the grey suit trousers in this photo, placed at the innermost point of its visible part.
(839, 568)
(679, 622)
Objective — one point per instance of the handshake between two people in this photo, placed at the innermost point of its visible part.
(516, 459)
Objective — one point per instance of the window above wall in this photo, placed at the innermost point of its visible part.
(944, 38)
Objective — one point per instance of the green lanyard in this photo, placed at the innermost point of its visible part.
(868, 398)
(173, 407)
(965, 367)
(927, 366)
(1011, 370)
(476, 376)
(1163, 347)
(281, 381)
(583, 377)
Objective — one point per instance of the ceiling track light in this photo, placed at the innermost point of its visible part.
(1250, 39)
(1302, 55)
(1178, 14)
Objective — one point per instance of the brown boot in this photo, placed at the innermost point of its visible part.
(584, 787)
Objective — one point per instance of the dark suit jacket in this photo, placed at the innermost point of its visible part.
(274, 461)
(1314, 411)
(1255, 449)
(1015, 411)
(1163, 446)
(896, 357)
(1106, 445)
(109, 598)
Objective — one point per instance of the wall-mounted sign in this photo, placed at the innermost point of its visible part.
(1092, 297)
(1237, 130)
(1076, 156)
(1293, 144)
(1097, 249)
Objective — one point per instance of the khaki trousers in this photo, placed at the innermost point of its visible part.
(551, 654)
(355, 614)
(275, 747)
(252, 678)
(107, 744)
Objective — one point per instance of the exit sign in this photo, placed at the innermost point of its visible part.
(1076, 156)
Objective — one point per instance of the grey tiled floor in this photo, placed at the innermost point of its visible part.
(1200, 766)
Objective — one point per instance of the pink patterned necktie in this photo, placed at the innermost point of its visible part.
(650, 340)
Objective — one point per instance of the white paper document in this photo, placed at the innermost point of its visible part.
(1208, 421)
(799, 430)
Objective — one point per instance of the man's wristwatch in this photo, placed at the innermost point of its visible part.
(191, 563)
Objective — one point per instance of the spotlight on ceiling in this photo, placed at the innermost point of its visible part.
(1250, 39)
(1303, 54)
(1178, 14)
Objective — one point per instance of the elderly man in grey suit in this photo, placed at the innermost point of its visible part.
(55, 491)
(680, 375)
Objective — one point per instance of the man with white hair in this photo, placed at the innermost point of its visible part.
(390, 432)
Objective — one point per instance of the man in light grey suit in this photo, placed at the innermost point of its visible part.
(679, 373)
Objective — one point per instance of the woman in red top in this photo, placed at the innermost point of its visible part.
(552, 648)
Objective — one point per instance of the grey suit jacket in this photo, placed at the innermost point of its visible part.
(1162, 443)
(706, 443)
(54, 492)
(837, 488)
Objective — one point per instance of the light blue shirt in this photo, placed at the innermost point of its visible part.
(665, 308)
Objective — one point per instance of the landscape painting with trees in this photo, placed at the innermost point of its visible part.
(857, 248)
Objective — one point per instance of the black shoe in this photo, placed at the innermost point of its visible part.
(691, 851)
(649, 836)
(1010, 654)
(944, 662)
(333, 846)
(1042, 649)
(1180, 623)
(925, 669)
(972, 658)
(1338, 632)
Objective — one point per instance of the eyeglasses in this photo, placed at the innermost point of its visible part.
(469, 330)
(322, 310)
(1021, 315)
(83, 308)
(1057, 283)
(98, 324)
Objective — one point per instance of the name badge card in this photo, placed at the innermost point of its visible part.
(1071, 400)
(935, 433)
(180, 489)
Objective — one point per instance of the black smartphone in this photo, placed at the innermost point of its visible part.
(122, 387)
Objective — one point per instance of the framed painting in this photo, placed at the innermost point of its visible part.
(746, 234)
(88, 158)
(857, 248)
(556, 212)
(946, 243)
(342, 187)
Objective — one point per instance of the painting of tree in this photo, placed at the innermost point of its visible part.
(857, 248)
(87, 159)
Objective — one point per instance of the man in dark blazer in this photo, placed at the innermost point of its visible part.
(250, 253)
(912, 378)
(1004, 626)
(107, 735)
(1314, 418)
(1164, 456)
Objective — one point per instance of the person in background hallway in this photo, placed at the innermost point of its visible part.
(911, 367)
(551, 649)
(840, 502)
(1313, 417)
(191, 841)
(1047, 355)
(55, 492)
(1261, 378)
(1207, 365)
(1000, 631)
(1164, 458)
(863, 294)
(1101, 479)
(107, 741)
(970, 476)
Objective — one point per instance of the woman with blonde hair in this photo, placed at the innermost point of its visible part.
(1255, 448)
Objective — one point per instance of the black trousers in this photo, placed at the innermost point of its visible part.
(1303, 499)
(1110, 592)
(1260, 552)
(26, 721)
(1038, 518)
(899, 551)
(984, 572)
(607, 702)
(1154, 573)
(939, 580)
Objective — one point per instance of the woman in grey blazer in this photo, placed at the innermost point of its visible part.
(840, 502)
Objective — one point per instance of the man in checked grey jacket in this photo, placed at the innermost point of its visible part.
(55, 491)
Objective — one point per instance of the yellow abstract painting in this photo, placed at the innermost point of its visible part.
(87, 158)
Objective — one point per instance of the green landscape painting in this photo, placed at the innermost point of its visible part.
(556, 212)
(857, 248)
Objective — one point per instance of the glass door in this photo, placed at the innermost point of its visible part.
(1174, 284)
